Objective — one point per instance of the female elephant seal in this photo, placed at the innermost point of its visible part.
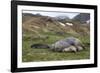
(70, 48)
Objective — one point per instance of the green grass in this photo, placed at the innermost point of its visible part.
(30, 54)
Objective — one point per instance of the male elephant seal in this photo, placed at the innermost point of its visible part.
(68, 43)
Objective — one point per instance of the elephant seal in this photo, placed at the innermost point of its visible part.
(70, 48)
(67, 43)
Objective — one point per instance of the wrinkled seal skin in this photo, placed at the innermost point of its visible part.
(75, 42)
(66, 43)
(59, 45)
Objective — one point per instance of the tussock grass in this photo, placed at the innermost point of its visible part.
(32, 54)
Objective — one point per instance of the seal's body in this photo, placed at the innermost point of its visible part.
(59, 45)
(67, 43)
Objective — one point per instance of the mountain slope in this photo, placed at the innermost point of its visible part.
(82, 17)
(38, 25)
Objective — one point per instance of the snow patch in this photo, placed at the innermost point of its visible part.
(62, 24)
(36, 27)
(70, 24)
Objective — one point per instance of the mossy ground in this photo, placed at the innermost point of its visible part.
(31, 54)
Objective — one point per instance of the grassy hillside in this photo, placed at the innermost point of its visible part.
(47, 30)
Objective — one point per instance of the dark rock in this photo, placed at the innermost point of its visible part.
(39, 46)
